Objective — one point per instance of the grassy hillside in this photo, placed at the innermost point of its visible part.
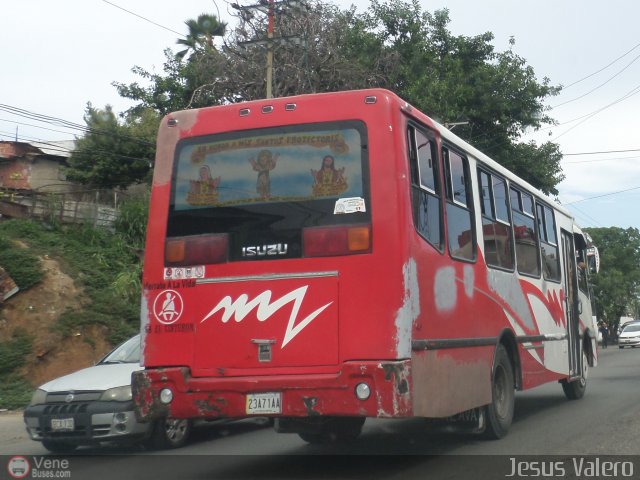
(105, 268)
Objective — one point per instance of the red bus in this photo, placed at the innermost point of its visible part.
(326, 258)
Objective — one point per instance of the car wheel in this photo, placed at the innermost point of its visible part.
(56, 446)
(170, 433)
(499, 413)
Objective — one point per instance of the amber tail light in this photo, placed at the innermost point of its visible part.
(336, 240)
(196, 250)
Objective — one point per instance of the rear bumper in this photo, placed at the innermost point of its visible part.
(302, 395)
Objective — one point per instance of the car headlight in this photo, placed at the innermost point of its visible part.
(118, 394)
(39, 397)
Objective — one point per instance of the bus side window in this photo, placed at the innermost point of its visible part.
(460, 222)
(425, 187)
(496, 226)
(583, 284)
(548, 243)
(524, 230)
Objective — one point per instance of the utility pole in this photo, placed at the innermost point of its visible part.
(268, 7)
(270, 29)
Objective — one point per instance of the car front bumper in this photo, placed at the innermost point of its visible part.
(92, 422)
(629, 342)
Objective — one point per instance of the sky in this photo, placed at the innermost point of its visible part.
(57, 56)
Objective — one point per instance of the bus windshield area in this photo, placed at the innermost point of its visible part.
(263, 187)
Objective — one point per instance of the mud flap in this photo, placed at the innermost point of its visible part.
(470, 421)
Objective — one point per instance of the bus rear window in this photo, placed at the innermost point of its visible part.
(261, 189)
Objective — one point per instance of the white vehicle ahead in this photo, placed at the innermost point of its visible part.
(630, 335)
(95, 405)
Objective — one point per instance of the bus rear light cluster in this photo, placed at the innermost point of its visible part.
(196, 250)
(336, 240)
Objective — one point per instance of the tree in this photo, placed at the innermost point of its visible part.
(201, 33)
(617, 285)
(463, 79)
(394, 45)
(113, 153)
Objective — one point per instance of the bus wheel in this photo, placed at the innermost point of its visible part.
(499, 413)
(575, 390)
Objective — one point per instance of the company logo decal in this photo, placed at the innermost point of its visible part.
(265, 250)
(241, 307)
(18, 467)
(168, 306)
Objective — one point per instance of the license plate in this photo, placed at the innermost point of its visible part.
(60, 424)
(263, 403)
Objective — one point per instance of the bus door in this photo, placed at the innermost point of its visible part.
(571, 303)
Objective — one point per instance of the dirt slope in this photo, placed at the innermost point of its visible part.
(37, 310)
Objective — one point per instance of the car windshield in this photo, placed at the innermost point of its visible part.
(128, 352)
(631, 328)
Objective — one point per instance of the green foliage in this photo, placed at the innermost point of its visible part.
(21, 265)
(394, 45)
(617, 285)
(13, 351)
(114, 153)
(95, 258)
(201, 33)
(15, 391)
(131, 223)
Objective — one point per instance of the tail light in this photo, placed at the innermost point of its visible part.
(336, 240)
(196, 250)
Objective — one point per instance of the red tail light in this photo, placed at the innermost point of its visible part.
(336, 240)
(196, 250)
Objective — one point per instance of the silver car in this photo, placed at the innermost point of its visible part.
(94, 405)
(630, 335)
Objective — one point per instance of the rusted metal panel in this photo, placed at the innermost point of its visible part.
(7, 286)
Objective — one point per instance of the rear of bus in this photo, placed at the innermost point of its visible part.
(276, 279)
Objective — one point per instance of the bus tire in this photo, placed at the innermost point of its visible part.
(575, 390)
(499, 413)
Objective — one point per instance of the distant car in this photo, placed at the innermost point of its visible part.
(630, 335)
(95, 405)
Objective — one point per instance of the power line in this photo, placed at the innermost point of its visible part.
(35, 126)
(143, 18)
(599, 86)
(603, 68)
(603, 195)
(589, 116)
(586, 215)
(604, 151)
(601, 160)
(67, 124)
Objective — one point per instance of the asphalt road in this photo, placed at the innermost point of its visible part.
(605, 422)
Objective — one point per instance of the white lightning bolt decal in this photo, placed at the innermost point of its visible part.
(241, 308)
